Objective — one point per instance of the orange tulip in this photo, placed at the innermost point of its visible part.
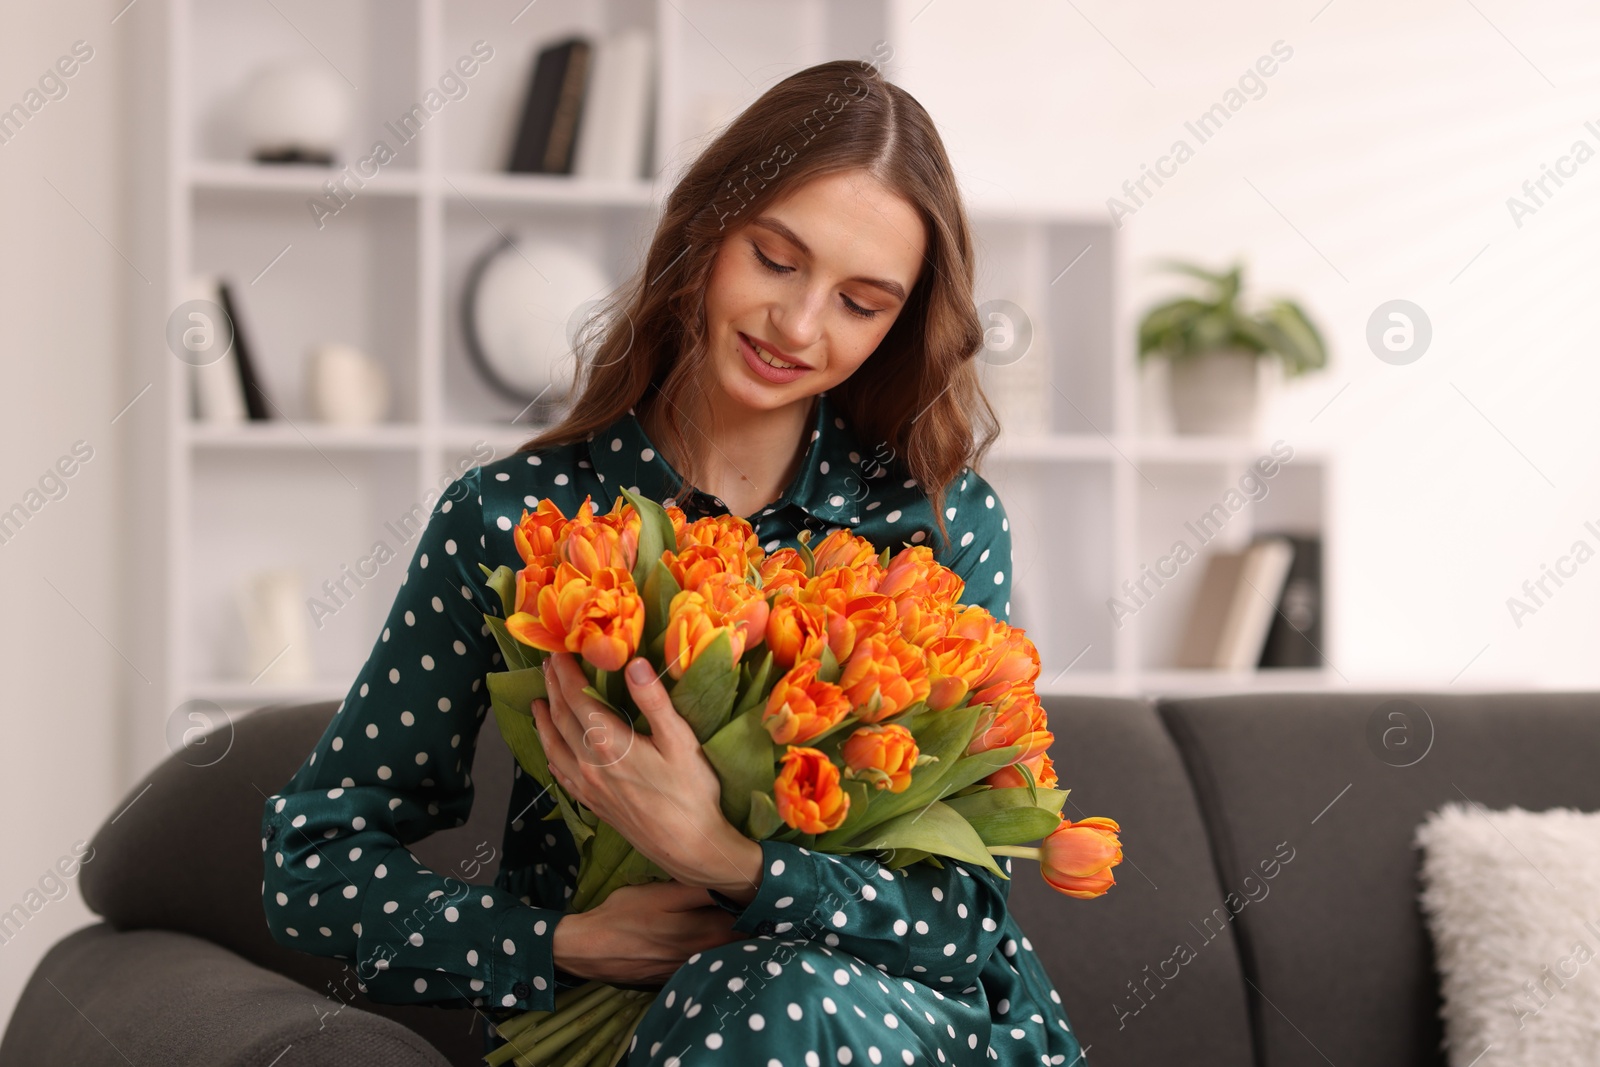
(1077, 857)
(1016, 718)
(884, 676)
(842, 548)
(734, 602)
(730, 537)
(531, 579)
(538, 532)
(600, 617)
(922, 621)
(1044, 774)
(1010, 660)
(954, 665)
(807, 791)
(691, 628)
(590, 542)
(802, 707)
(883, 755)
(913, 572)
(798, 631)
(784, 570)
(608, 627)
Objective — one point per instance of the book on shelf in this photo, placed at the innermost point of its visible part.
(1237, 602)
(548, 130)
(1295, 639)
(226, 390)
(255, 398)
(614, 128)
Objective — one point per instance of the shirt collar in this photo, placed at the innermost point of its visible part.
(830, 486)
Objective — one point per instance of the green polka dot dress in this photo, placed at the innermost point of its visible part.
(844, 961)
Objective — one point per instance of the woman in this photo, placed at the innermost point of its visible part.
(797, 349)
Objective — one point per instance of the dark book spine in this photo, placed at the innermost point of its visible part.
(539, 108)
(558, 155)
(255, 398)
(1296, 637)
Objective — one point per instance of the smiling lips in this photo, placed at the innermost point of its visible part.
(766, 365)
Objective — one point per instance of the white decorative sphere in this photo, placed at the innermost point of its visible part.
(524, 300)
(300, 107)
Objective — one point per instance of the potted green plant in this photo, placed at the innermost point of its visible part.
(1213, 345)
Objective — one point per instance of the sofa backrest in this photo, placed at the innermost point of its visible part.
(1140, 986)
(1336, 953)
(182, 851)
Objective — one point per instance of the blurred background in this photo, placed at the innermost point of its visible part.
(273, 272)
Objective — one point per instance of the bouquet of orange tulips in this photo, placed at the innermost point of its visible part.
(846, 698)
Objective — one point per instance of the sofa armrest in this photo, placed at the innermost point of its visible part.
(156, 996)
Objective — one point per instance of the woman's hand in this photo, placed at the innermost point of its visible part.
(658, 790)
(641, 934)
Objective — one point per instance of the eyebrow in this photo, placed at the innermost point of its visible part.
(777, 226)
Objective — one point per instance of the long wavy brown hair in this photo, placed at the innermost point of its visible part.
(917, 395)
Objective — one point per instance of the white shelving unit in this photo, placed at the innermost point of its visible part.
(1090, 499)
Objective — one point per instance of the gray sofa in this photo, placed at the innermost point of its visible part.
(1265, 914)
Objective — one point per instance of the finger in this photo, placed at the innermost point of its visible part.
(563, 698)
(671, 733)
(556, 752)
(594, 733)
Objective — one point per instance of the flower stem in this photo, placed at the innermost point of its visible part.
(600, 1040)
(1027, 852)
(521, 1042)
(571, 1029)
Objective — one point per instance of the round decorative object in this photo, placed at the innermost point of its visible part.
(295, 113)
(518, 307)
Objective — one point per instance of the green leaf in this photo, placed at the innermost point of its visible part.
(656, 535)
(763, 820)
(515, 654)
(704, 695)
(503, 580)
(1015, 826)
(830, 669)
(803, 545)
(511, 694)
(756, 688)
(657, 592)
(989, 801)
(936, 828)
(943, 735)
(743, 755)
(581, 829)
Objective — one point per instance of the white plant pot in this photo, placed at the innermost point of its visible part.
(1216, 393)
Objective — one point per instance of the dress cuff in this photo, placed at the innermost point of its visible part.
(787, 896)
(522, 971)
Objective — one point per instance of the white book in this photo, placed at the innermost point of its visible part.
(1261, 576)
(613, 131)
(216, 389)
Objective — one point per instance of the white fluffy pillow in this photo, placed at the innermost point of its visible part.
(1512, 900)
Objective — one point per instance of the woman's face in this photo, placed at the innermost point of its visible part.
(815, 281)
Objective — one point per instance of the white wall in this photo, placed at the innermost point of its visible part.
(61, 282)
(1390, 141)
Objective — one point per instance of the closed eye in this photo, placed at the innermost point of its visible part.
(777, 268)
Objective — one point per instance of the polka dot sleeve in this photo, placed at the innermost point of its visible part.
(392, 767)
(938, 926)
(980, 543)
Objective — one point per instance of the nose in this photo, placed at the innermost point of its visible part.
(797, 320)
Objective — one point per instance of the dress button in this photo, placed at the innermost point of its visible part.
(766, 927)
(522, 990)
(272, 831)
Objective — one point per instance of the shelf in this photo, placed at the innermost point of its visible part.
(1179, 683)
(286, 434)
(491, 188)
(300, 179)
